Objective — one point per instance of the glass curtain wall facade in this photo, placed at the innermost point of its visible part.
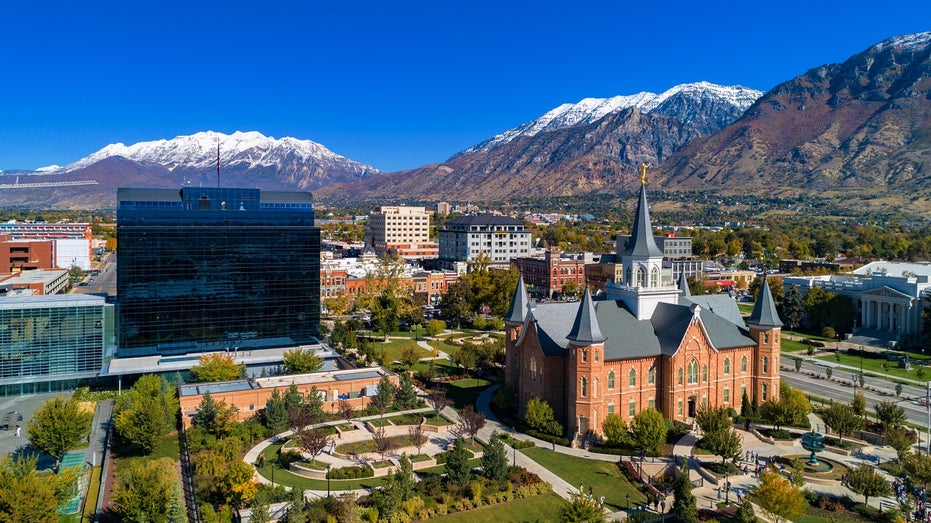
(205, 269)
(49, 343)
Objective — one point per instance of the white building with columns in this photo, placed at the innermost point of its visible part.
(888, 298)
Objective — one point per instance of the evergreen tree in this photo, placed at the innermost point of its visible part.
(404, 478)
(745, 513)
(457, 464)
(215, 418)
(177, 510)
(793, 308)
(407, 394)
(384, 394)
(495, 460)
(313, 405)
(275, 414)
(745, 407)
(684, 505)
(293, 399)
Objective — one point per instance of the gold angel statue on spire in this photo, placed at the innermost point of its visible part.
(643, 173)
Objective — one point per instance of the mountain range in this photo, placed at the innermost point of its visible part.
(861, 126)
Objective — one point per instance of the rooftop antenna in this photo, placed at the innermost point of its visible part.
(218, 162)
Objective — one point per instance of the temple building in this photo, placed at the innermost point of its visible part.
(643, 343)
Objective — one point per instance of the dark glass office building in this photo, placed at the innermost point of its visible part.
(205, 269)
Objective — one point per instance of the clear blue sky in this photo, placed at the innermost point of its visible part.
(392, 84)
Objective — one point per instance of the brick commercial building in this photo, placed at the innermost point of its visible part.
(646, 343)
(547, 276)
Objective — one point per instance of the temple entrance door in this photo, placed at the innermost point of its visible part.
(693, 400)
(583, 425)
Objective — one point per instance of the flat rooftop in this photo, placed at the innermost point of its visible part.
(270, 382)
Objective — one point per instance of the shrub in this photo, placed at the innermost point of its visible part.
(559, 440)
(288, 457)
(351, 473)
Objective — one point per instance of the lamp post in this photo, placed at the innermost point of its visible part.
(628, 500)
(727, 491)
(273, 473)
(328, 482)
(514, 446)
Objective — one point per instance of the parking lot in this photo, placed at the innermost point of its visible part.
(25, 405)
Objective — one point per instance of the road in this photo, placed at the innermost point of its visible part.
(812, 380)
(103, 284)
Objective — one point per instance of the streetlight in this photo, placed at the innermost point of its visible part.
(727, 490)
(328, 482)
(628, 500)
(273, 473)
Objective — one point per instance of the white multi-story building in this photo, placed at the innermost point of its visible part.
(404, 231)
(500, 238)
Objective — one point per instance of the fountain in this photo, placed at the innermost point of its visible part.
(814, 443)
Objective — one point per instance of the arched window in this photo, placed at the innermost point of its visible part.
(595, 389)
(765, 392)
(704, 374)
(651, 376)
(584, 387)
(765, 365)
(654, 277)
(632, 378)
(693, 372)
(743, 364)
(584, 355)
(679, 376)
(611, 380)
(641, 277)
(533, 368)
(627, 279)
(727, 365)
(727, 395)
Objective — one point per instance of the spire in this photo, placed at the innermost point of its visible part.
(641, 237)
(764, 310)
(519, 302)
(684, 286)
(585, 328)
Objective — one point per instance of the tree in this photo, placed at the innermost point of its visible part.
(538, 414)
(898, 389)
(745, 513)
(779, 498)
(457, 467)
(842, 419)
(793, 308)
(215, 418)
(28, 497)
(649, 431)
(387, 296)
(470, 422)
(313, 404)
(723, 442)
(901, 439)
(417, 436)
(384, 394)
(299, 361)
(797, 478)
(177, 510)
(435, 327)
(144, 489)
(827, 372)
(293, 398)
(147, 412)
(745, 405)
(58, 426)
(614, 429)
(217, 366)
(383, 443)
(438, 400)
(407, 395)
(314, 441)
(684, 504)
(776, 412)
(918, 467)
(275, 414)
(859, 404)
(580, 508)
(409, 356)
(866, 481)
(889, 415)
(495, 460)
(345, 409)
(711, 419)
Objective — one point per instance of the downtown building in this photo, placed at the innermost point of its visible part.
(402, 231)
(214, 269)
(497, 238)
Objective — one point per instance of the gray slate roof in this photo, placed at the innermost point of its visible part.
(764, 310)
(585, 328)
(641, 241)
(519, 301)
(627, 337)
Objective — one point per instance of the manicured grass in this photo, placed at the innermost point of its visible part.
(745, 308)
(543, 509)
(793, 346)
(875, 365)
(604, 477)
(93, 489)
(464, 392)
(286, 478)
(168, 448)
(391, 351)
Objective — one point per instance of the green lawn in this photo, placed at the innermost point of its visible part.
(875, 365)
(286, 478)
(604, 477)
(391, 351)
(543, 509)
(745, 308)
(464, 392)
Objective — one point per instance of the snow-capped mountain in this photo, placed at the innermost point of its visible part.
(238, 151)
(732, 101)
